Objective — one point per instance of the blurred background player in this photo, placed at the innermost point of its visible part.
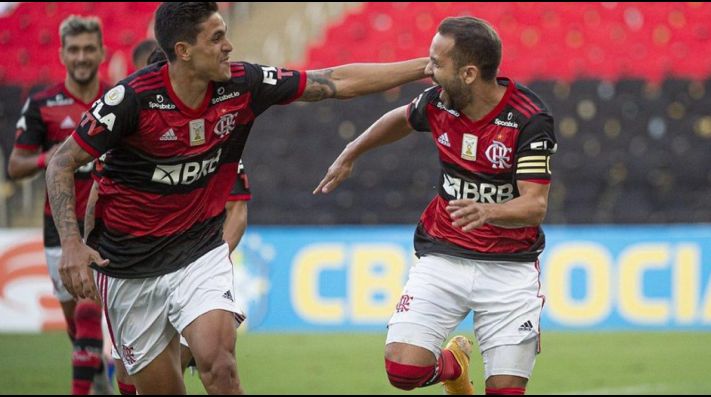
(479, 239)
(143, 51)
(172, 239)
(48, 118)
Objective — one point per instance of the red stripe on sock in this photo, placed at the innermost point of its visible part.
(407, 377)
(125, 389)
(507, 391)
(448, 366)
(81, 387)
(87, 318)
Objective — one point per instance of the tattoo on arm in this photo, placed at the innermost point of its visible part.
(319, 85)
(60, 188)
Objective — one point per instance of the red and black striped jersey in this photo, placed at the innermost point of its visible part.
(169, 170)
(482, 160)
(48, 118)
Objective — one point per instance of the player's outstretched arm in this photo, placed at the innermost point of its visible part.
(358, 79)
(26, 163)
(76, 256)
(391, 127)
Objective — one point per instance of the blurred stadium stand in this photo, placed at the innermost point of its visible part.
(630, 152)
(629, 85)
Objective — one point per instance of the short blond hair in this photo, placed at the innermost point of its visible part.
(74, 25)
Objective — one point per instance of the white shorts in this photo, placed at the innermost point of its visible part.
(144, 315)
(53, 255)
(441, 290)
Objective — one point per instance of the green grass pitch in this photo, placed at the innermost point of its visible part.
(571, 363)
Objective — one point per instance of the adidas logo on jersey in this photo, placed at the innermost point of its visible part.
(228, 295)
(169, 136)
(68, 123)
(444, 140)
(526, 327)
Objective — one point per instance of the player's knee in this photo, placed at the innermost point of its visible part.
(393, 352)
(219, 370)
(407, 377)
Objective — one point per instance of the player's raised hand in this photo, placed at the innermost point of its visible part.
(339, 171)
(75, 272)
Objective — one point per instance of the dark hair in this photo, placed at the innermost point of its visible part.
(75, 25)
(143, 48)
(156, 56)
(475, 42)
(179, 22)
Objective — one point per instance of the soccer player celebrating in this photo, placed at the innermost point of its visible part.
(479, 239)
(147, 52)
(48, 118)
(173, 135)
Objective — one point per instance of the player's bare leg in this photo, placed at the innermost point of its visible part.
(212, 338)
(186, 356)
(404, 353)
(125, 383)
(162, 375)
(509, 384)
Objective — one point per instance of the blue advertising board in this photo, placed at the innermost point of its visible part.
(324, 279)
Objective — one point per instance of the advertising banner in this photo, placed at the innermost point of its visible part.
(335, 279)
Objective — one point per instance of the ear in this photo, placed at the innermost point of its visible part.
(470, 73)
(102, 49)
(182, 50)
(61, 56)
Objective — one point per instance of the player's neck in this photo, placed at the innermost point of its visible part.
(84, 92)
(486, 96)
(189, 88)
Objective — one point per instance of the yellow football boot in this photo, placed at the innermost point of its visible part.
(461, 348)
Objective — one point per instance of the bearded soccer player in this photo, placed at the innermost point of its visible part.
(48, 118)
(173, 134)
(479, 239)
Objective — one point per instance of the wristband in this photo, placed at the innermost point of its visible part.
(42, 160)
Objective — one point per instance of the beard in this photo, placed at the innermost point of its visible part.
(83, 80)
(458, 95)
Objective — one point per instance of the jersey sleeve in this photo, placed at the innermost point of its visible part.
(271, 85)
(110, 118)
(536, 145)
(31, 130)
(240, 191)
(417, 110)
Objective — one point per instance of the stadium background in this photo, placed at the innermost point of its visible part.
(626, 272)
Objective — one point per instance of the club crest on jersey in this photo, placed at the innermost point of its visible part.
(225, 124)
(469, 143)
(498, 154)
(197, 132)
